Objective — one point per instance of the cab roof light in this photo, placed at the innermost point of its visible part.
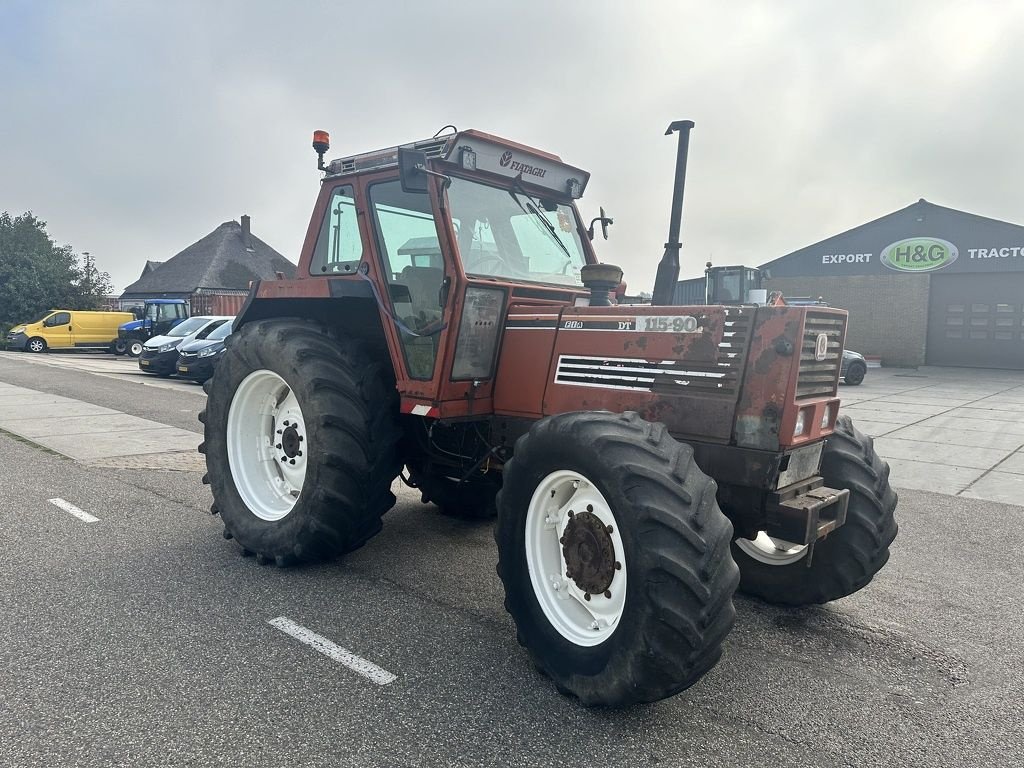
(321, 143)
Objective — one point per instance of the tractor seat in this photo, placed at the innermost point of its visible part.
(424, 284)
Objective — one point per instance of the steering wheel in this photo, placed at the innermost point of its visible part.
(487, 264)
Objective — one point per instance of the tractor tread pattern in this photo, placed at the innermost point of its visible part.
(681, 574)
(350, 406)
(848, 559)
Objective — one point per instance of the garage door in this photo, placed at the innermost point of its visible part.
(976, 321)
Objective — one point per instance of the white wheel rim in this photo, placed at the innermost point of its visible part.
(136, 348)
(264, 415)
(581, 621)
(771, 551)
(35, 345)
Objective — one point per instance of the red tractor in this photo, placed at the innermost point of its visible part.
(450, 316)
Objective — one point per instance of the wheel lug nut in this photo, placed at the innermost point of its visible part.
(287, 424)
(590, 507)
(292, 461)
(278, 446)
(586, 595)
(284, 458)
(608, 594)
(571, 513)
(300, 438)
(562, 540)
(299, 453)
(280, 431)
(618, 566)
(609, 529)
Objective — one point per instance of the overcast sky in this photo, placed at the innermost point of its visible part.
(135, 128)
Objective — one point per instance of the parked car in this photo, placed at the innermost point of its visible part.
(853, 368)
(67, 329)
(197, 359)
(160, 354)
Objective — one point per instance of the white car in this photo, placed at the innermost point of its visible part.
(160, 354)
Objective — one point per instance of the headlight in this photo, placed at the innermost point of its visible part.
(801, 423)
(826, 417)
(168, 347)
(210, 351)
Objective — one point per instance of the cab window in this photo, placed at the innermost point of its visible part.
(338, 246)
(61, 318)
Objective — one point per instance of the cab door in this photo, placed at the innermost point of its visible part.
(59, 331)
(409, 258)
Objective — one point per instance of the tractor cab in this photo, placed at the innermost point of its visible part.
(444, 235)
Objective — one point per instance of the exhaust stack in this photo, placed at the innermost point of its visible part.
(668, 267)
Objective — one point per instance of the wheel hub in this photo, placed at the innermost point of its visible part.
(291, 441)
(589, 552)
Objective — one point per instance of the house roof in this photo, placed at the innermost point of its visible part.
(149, 267)
(222, 260)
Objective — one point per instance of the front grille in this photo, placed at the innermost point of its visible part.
(819, 378)
(186, 357)
(644, 376)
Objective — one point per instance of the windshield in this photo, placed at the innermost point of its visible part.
(222, 331)
(185, 327)
(509, 234)
(41, 317)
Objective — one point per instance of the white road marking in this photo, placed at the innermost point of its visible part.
(356, 663)
(71, 509)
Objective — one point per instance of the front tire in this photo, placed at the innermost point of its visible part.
(620, 506)
(134, 348)
(36, 345)
(301, 441)
(848, 558)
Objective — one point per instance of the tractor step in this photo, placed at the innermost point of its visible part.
(806, 511)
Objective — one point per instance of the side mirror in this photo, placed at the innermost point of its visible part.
(605, 222)
(412, 169)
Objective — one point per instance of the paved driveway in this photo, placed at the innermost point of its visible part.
(958, 431)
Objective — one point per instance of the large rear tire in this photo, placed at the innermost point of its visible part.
(618, 505)
(849, 557)
(301, 441)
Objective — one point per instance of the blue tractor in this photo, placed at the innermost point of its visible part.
(156, 318)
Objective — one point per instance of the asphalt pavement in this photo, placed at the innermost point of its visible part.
(145, 638)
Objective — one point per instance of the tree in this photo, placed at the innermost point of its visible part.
(36, 274)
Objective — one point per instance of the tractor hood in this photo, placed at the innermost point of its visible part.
(132, 325)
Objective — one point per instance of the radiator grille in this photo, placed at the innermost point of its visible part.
(666, 377)
(819, 378)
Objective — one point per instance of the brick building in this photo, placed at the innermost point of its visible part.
(923, 285)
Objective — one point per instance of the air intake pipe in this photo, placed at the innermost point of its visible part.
(668, 267)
